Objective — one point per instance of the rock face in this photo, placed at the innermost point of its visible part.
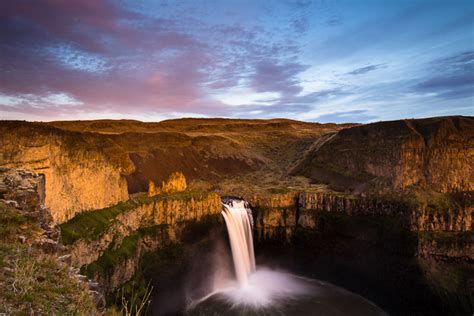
(435, 154)
(211, 150)
(175, 183)
(418, 219)
(447, 245)
(95, 164)
(112, 273)
(78, 173)
(21, 189)
(124, 269)
(24, 190)
(440, 232)
(277, 215)
(170, 210)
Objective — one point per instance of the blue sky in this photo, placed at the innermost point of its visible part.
(325, 61)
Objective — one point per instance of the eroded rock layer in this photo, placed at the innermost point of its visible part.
(88, 243)
(444, 232)
(79, 174)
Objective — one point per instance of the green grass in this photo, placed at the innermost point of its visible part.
(90, 225)
(116, 254)
(39, 283)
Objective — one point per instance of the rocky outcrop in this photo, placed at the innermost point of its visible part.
(32, 237)
(24, 190)
(445, 220)
(118, 265)
(434, 154)
(21, 189)
(347, 204)
(111, 273)
(81, 172)
(276, 215)
(176, 182)
(170, 209)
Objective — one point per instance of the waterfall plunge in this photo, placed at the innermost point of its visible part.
(261, 291)
(238, 219)
(254, 287)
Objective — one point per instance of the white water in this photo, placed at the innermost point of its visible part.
(253, 287)
(256, 288)
(238, 219)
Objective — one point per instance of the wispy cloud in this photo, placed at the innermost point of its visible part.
(450, 77)
(363, 70)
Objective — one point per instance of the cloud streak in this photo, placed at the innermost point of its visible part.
(364, 70)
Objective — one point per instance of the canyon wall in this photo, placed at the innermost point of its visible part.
(441, 232)
(416, 218)
(276, 215)
(81, 172)
(95, 164)
(434, 154)
(110, 252)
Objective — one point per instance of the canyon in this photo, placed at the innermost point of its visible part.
(119, 191)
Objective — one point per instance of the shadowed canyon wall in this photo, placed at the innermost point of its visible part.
(439, 232)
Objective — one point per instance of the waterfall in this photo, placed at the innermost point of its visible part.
(263, 289)
(238, 219)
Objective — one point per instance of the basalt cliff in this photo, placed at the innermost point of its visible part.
(434, 154)
(81, 172)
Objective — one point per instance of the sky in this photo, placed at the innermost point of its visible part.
(323, 61)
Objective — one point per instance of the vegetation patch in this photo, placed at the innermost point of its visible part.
(116, 254)
(89, 225)
(13, 224)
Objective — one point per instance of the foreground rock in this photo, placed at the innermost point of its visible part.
(35, 277)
